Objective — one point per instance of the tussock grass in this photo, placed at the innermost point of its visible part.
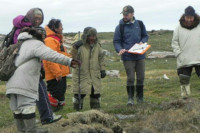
(163, 111)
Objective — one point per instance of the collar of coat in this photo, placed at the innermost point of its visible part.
(194, 24)
(130, 22)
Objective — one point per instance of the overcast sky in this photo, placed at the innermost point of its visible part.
(104, 15)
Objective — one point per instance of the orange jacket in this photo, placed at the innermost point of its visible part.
(54, 70)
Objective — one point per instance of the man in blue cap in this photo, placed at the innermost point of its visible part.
(129, 32)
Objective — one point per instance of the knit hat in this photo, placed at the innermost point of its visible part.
(189, 11)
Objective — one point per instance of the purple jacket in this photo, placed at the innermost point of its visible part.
(19, 23)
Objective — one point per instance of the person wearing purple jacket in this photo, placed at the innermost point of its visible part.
(34, 18)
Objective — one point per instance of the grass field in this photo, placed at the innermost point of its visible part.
(114, 96)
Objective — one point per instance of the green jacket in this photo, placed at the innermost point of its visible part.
(92, 60)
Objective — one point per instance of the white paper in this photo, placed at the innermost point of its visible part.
(138, 48)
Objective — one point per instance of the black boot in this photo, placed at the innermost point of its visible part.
(139, 95)
(78, 106)
(95, 103)
(130, 92)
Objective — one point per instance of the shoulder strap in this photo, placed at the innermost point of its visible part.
(8, 40)
(121, 28)
(141, 25)
(20, 42)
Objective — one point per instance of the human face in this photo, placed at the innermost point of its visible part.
(128, 17)
(59, 30)
(38, 20)
(91, 39)
(189, 20)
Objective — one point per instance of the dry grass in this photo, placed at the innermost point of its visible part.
(177, 116)
(92, 121)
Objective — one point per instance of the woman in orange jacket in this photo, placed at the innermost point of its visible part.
(55, 74)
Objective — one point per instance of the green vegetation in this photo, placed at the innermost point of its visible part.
(114, 96)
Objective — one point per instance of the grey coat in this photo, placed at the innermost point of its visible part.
(186, 46)
(25, 80)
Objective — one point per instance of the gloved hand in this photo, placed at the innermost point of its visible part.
(103, 73)
(75, 63)
(77, 44)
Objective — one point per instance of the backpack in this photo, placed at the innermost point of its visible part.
(9, 38)
(121, 26)
(7, 60)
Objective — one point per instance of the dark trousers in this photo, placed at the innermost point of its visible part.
(43, 104)
(57, 88)
(188, 70)
(132, 68)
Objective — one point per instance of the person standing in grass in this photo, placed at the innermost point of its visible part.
(186, 46)
(92, 69)
(34, 18)
(55, 74)
(129, 32)
(22, 87)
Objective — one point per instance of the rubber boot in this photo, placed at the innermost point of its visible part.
(20, 125)
(185, 91)
(140, 93)
(95, 103)
(31, 127)
(185, 86)
(130, 92)
(76, 104)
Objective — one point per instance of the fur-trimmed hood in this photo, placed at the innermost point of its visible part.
(87, 32)
(195, 23)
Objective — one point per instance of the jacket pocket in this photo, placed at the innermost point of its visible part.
(180, 58)
(99, 75)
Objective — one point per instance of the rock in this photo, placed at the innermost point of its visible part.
(105, 41)
(107, 53)
(1, 38)
(68, 40)
(161, 54)
(123, 117)
(165, 77)
(113, 73)
(68, 46)
(69, 76)
(159, 32)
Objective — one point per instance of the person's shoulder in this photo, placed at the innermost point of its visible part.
(121, 22)
(35, 42)
(140, 22)
(51, 41)
(178, 26)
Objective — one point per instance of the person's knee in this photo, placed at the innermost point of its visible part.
(130, 81)
(28, 112)
(184, 79)
(140, 81)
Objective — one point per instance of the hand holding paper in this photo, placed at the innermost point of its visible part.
(139, 48)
